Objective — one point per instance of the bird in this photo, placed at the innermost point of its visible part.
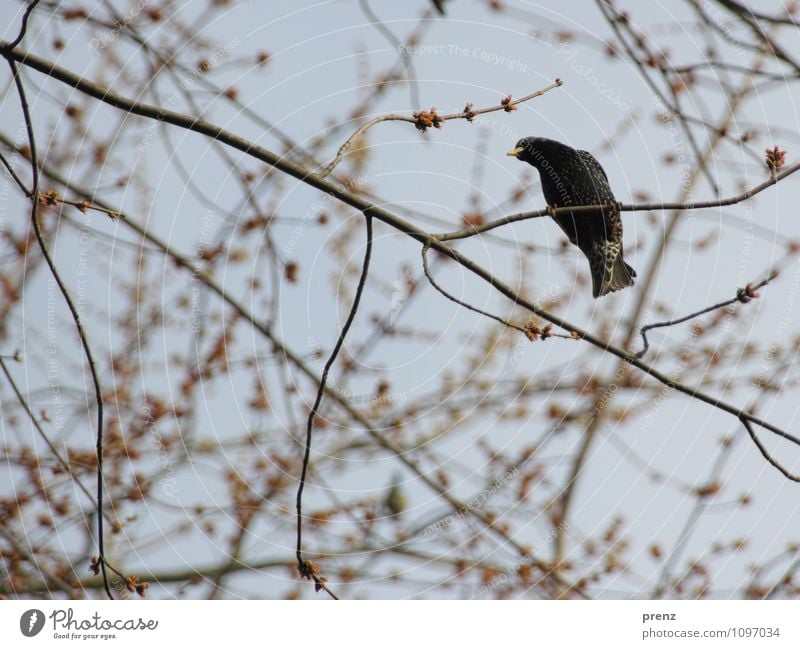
(574, 177)
(394, 502)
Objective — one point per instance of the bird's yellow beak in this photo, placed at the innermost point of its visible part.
(515, 151)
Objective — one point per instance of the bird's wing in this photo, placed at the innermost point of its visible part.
(590, 161)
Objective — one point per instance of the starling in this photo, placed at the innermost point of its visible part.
(572, 177)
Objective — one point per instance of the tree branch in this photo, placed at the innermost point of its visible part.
(307, 569)
(73, 311)
(747, 420)
(430, 118)
(24, 26)
(635, 207)
(530, 330)
(743, 295)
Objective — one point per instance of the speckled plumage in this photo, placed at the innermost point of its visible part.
(573, 177)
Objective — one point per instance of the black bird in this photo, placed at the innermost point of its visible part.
(573, 177)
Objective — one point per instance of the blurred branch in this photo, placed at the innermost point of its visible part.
(26, 407)
(617, 21)
(663, 588)
(770, 46)
(454, 299)
(405, 57)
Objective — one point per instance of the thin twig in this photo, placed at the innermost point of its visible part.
(24, 26)
(662, 589)
(14, 176)
(307, 568)
(747, 420)
(743, 295)
(635, 207)
(453, 298)
(426, 119)
(405, 57)
(530, 331)
(73, 311)
(27, 408)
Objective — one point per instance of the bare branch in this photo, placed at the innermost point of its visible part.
(530, 330)
(73, 311)
(307, 568)
(634, 207)
(743, 295)
(24, 26)
(747, 420)
(454, 299)
(430, 118)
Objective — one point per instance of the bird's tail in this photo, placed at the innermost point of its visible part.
(608, 277)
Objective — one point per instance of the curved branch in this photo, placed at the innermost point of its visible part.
(453, 298)
(530, 330)
(743, 295)
(427, 118)
(73, 311)
(24, 26)
(307, 569)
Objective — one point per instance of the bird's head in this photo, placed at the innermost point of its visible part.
(537, 151)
